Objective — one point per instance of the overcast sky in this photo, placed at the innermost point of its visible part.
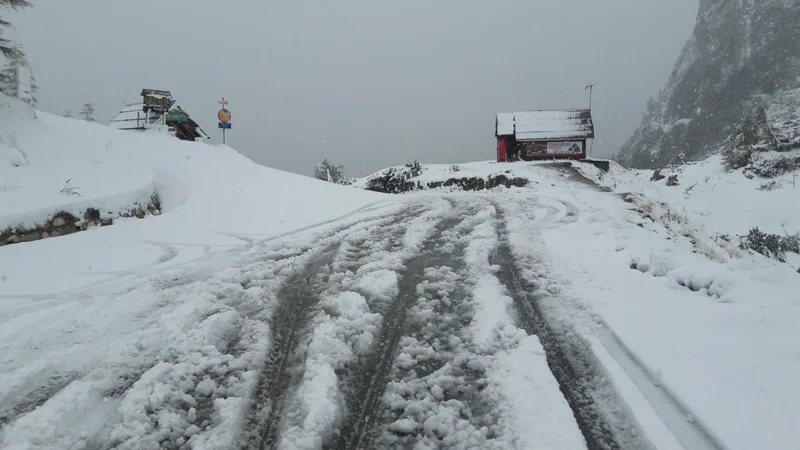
(364, 83)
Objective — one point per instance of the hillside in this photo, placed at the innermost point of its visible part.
(738, 67)
(150, 199)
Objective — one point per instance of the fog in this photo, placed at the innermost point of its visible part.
(365, 84)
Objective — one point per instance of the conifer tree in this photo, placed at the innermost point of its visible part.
(9, 49)
(87, 113)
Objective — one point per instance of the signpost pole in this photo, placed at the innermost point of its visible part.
(224, 117)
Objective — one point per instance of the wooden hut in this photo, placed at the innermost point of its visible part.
(537, 135)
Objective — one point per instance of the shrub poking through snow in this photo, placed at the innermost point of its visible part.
(70, 190)
(770, 245)
(672, 180)
(770, 186)
(774, 167)
(657, 175)
(414, 168)
(737, 157)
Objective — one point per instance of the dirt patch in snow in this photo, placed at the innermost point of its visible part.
(64, 223)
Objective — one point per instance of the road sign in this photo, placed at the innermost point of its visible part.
(225, 125)
(176, 115)
(224, 115)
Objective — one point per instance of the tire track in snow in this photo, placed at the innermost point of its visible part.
(297, 301)
(216, 374)
(691, 434)
(602, 417)
(122, 276)
(369, 381)
(438, 372)
(30, 399)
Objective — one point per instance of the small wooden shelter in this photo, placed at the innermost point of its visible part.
(536, 135)
(159, 110)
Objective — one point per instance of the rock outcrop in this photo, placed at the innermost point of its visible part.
(64, 223)
(742, 58)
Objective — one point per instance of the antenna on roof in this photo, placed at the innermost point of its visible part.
(590, 87)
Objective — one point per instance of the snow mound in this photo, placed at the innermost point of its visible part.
(211, 197)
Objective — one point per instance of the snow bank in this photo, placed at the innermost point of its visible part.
(212, 197)
(692, 307)
(708, 199)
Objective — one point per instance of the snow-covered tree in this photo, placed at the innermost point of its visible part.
(87, 113)
(326, 171)
(9, 83)
(8, 48)
(67, 113)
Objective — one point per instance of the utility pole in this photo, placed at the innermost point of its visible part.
(590, 87)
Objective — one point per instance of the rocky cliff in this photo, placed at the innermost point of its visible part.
(742, 58)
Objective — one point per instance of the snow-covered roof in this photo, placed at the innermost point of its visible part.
(546, 125)
(133, 117)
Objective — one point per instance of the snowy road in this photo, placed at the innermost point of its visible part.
(418, 326)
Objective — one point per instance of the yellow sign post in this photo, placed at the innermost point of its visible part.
(224, 117)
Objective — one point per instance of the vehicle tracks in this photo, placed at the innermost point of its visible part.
(602, 418)
(292, 314)
(366, 424)
(297, 301)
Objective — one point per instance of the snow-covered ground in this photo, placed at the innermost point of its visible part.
(712, 324)
(213, 199)
(275, 308)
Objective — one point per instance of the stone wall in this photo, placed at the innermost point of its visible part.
(64, 223)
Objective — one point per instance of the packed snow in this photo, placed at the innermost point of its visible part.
(162, 331)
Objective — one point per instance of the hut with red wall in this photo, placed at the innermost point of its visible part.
(538, 135)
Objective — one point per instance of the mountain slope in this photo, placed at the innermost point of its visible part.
(742, 56)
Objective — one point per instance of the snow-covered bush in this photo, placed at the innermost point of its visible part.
(737, 157)
(770, 245)
(770, 186)
(753, 135)
(415, 169)
(327, 171)
(774, 166)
